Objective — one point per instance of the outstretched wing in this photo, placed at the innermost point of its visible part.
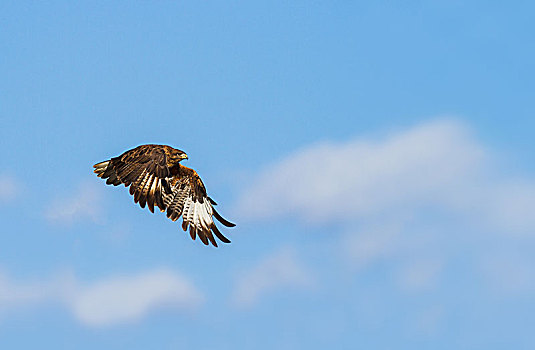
(156, 178)
(144, 169)
(188, 198)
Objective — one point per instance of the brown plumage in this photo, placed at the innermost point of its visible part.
(156, 178)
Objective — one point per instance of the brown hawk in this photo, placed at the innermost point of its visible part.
(156, 178)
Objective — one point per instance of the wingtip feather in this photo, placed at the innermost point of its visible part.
(219, 235)
(222, 220)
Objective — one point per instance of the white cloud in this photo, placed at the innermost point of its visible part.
(85, 203)
(371, 244)
(437, 164)
(275, 272)
(9, 188)
(420, 275)
(15, 294)
(123, 299)
(429, 321)
(510, 273)
(411, 200)
(115, 300)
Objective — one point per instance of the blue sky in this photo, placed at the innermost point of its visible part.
(377, 158)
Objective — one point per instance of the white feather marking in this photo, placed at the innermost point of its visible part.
(210, 210)
(198, 213)
(202, 215)
(188, 213)
(185, 210)
(195, 215)
(191, 211)
(207, 219)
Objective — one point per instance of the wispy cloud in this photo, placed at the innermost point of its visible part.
(372, 243)
(410, 198)
(278, 271)
(510, 274)
(128, 298)
(420, 275)
(108, 302)
(14, 294)
(437, 164)
(9, 188)
(83, 203)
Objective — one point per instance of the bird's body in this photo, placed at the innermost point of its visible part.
(156, 178)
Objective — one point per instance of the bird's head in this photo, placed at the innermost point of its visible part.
(178, 155)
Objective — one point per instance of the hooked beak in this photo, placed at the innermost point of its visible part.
(183, 156)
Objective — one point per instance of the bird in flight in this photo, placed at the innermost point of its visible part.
(156, 178)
